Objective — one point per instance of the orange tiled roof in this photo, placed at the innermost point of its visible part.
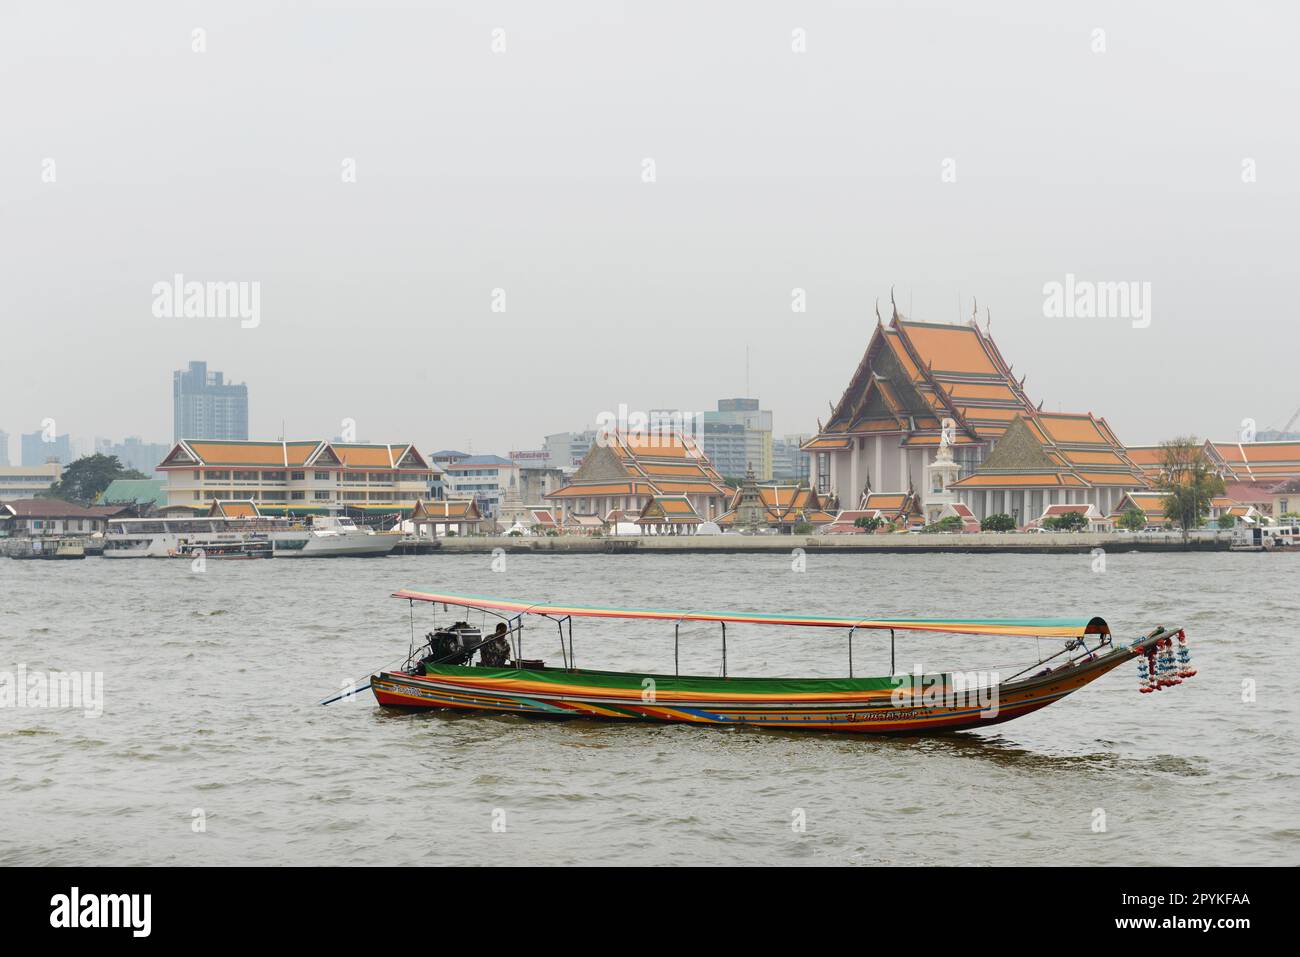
(949, 348)
(191, 453)
(272, 454)
(668, 509)
(1016, 480)
(453, 509)
(1149, 503)
(669, 464)
(913, 374)
(1079, 449)
(1071, 428)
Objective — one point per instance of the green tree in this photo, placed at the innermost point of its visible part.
(84, 479)
(998, 522)
(1227, 521)
(1187, 482)
(1133, 519)
(950, 524)
(1067, 522)
(869, 523)
(802, 528)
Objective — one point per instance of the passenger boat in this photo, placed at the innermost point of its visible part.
(252, 548)
(438, 674)
(59, 549)
(1282, 537)
(332, 536)
(164, 537)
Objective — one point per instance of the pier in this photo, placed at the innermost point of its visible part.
(982, 543)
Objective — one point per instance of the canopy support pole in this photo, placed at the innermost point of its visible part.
(724, 649)
(891, 651)
(564, 653)
(677, 638)
(851, 630)
(573, 662)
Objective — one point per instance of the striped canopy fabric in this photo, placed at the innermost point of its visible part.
(1029, 627)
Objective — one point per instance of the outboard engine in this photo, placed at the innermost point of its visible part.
(451, 646)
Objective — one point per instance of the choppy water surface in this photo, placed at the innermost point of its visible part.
(211, 684)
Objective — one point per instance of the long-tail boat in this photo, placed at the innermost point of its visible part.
(439, 675)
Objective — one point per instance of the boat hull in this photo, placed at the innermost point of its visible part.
(352, 545)
(867, 705)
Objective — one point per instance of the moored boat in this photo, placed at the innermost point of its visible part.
(258, 548)
(440, 674)
(49, 549)
(164, 537)
(332, 536)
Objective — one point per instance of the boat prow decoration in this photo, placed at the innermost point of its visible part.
(441, 673)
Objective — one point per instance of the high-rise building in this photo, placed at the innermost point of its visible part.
(738, 437)
(135, 453)
(207, 407)
(568, 448)
(789, 462)
(4, 447)
(37, 449)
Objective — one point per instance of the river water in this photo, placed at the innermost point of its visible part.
(211, 749)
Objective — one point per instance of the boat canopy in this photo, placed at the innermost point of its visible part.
(1029, 627)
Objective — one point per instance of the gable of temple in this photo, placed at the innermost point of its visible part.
(1020, 449)
(600, 464)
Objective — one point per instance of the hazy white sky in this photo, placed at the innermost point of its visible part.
(522, 170)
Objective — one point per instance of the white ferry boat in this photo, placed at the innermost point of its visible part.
(330, 536)
(165, 537)
(1267, 538)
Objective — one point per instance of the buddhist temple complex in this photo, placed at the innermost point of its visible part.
(924, 385)
(625, 473)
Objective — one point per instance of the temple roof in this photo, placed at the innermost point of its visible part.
(915, 374)
(668, 510)
(782, 504)
(1056, 450)
(656, 465)
(445, 510)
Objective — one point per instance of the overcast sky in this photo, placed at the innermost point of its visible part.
(830, 170)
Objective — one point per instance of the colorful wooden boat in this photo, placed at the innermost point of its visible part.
(897, 703)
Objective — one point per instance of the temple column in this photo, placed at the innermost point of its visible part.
(853, 473)
(878, 474)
